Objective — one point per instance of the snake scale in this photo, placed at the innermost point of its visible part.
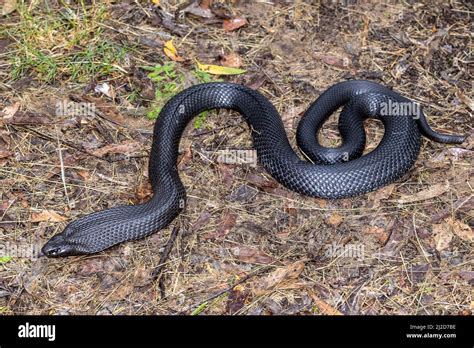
(331, 172)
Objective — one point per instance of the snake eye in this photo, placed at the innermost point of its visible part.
(57, 246)
(53, 251)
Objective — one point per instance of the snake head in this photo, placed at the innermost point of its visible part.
(60, 245)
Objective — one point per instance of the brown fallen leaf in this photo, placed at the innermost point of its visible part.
(68, 160)
(8, 6)
(379, 232)
(232, 60)
(461, 229)
(336, 61)
(279, 278)
(236, 300)
(380, 194)
(199, 9)
(433, 191)
(143, 84)
(394, 243)
(461, 205)
(467, 275)
(447, 156)
(225, 226)
(442, 236)
(121, 292)
(206, 4)
(418, 272)
(255, 80)
(227, 172)
(5, 154)
(126, 147)
(108, 109)
(202, 220)
(171, 52)
(47, 215)
(234, 24)
(465, 99)
(142, 276)
(144, 191)
(10, 111)
(27, 118)
(243, 193)
(91, 267)
(248, 254)
(261, 182)
(334, 220)
(324, 307)
(84, 174)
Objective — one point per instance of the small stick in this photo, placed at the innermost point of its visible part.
(459, 205)
(156, 274)
(63, 172)
(230, 288)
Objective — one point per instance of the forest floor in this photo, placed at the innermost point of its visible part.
(80, 86)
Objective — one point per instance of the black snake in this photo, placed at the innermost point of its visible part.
(347, 174)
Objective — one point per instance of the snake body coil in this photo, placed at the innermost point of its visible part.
(348, 174)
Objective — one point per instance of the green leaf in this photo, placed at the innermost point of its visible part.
(5, 259)
(219, 70)
(199, 309)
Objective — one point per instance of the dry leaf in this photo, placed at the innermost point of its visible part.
(442, 236)
(279, 277)
(334, 220)
(236, 300)
(27, 118)
(338, 62)
(433, 191)
(127, 147)
(227, 224)
(379, 232)
(227, 173)
(202, 220)
(461, 229)
(381, 194)
(5, 154)
(219, 70)
(233, 24)
(466, 100)
(122, 292)
(255, 80)
(47, 215)
(186, 158)
(323, 306)
(251, 255)
(10, 111)
(261, 182)
(171, 52)
(144, 191)
(231, 60)
(8, 6)
(199, 9)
